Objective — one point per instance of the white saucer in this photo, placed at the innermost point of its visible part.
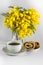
(12, 54)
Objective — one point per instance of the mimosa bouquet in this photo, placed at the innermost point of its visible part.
(21, 21)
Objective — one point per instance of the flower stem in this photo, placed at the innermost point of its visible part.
(16, 36)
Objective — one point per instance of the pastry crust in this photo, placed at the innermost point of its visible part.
(31, 45)
(37, 45)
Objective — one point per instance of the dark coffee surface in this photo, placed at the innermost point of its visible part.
(14, 43)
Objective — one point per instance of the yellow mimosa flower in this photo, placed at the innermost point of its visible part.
(30, 12)
(21, 14)
(27, 12)
(23, 22)
(11, 11)
(11, 24)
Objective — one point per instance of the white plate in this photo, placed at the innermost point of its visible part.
(13, 54)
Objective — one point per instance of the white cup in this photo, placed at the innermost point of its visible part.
(15, 47)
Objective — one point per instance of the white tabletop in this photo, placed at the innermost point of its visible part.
(30, 58)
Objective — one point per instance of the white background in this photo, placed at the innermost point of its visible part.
(30, 58)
